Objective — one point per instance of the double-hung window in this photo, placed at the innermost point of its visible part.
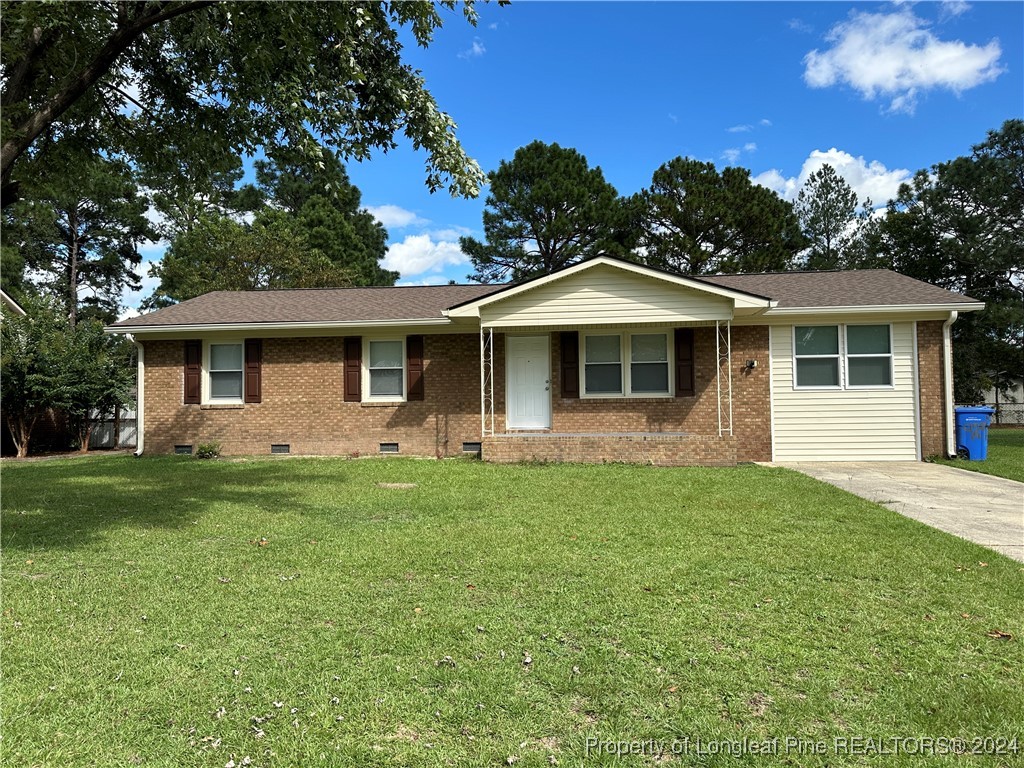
(842, 356)
(868, 356)
(626, 364)
(386, 369)
(225, 369)
(602, 365)
(816, 351)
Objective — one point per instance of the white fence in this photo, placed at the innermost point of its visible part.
(118, 432)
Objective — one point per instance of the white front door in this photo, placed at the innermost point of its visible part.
(528, 382)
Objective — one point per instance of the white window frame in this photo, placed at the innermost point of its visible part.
(367, 397)
(848, 356)
(838, 357)
(844, 358)
(626, 361)
(207, 397)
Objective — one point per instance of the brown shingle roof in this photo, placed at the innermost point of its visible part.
(860, 288)
(318, 305)
(856, 288)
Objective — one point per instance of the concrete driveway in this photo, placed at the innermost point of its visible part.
(980, 508)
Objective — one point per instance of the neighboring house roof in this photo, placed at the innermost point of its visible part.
(771, 293)
(855, 288)
(314, 306)
(11, 304)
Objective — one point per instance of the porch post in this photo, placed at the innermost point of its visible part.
(728, 342)
(718, 373)
(486, 380)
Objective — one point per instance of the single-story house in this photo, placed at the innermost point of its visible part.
(605, 360)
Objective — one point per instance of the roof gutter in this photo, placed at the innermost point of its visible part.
(947, 383)
(209, 327)
(140, 395)
(972, 306)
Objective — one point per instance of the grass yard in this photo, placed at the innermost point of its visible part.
(176, 612)
(1005, 455)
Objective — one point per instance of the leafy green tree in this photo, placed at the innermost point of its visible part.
(697, 220)
(222, 254)
(80, 231)
(154, 81)
(32, 375)
(317, 200)
(960, 225)
(547, 208)
(97, 376)
(831, 219)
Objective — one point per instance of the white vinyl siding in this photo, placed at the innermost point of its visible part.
(605, 295)
(844, 424)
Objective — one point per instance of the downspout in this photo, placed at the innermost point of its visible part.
(947, 381)
(140, 394)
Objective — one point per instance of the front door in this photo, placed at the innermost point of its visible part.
(528, 382)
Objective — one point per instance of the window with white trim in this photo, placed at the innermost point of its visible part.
(602, 365)
(816, 352)
(225, 373)
(385, 369)
(626, 365)
(842, 356)
(868, 356)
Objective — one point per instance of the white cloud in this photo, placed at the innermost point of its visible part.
(950, 9)
(428, 280)
(799, 25)
(449, 233)
(740, 129)
(493, 25)
(732, 154)
(868, 179)
(475, 51)
(394, 216)
(418, 254)
(894, 55)
(764, 122)
(674, 118)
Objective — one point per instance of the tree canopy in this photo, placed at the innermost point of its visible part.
(158, 81)
(831, 219)
(960, 225)
(697, 220)
(547, 208)
(79, 231)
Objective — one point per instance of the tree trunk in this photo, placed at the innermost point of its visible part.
(84, 435)
(73, 269)
(20, 428)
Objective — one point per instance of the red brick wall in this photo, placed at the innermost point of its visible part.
(661, 450)
(931, 378)
(303, 403)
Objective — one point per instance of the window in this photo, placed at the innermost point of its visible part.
(602, 365)
(630, 364)
(816, 350)
(868, 356)
(225, 372)
(865, 354)
(648, 366)
(386, 369)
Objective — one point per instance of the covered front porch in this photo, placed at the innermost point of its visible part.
(609, 361)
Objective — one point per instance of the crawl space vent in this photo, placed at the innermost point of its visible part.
(280, 448)
(389, 447)
(184, 450)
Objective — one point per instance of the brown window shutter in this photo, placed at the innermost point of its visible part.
(353, 369)
(570, 368)
(414, 364)
(193, 371)
(253, 371)
(685, 385)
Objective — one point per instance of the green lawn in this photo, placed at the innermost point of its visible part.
(1005, 455)
(175, 612)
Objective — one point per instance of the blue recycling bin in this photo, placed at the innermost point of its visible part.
(972, 431)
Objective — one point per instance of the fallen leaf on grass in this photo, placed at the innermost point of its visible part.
(471, 586)
(673, 688)
(996, 634)
(260, 542)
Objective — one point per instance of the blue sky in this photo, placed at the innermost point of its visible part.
(877, 90)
